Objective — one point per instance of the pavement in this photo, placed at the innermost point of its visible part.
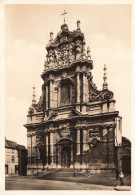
(36, 184)
(80, 177)
(126, 186)
(65, 179)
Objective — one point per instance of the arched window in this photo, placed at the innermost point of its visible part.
(65, 93)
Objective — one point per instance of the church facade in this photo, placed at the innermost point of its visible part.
(74, 124)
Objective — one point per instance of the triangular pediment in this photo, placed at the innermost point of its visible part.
(70, 113)
(76, 113)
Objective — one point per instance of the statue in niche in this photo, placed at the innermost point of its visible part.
(71, 52)
(65, 56)
(88, 53)
(51, 56)
(78, 49)
(56, 55)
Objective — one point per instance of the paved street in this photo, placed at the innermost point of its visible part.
(36, 184)
(63, 179)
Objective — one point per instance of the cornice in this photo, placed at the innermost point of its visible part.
(79, 62)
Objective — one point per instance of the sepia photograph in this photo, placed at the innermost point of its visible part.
(68, 71)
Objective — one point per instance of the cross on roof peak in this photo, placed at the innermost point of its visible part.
(64, 15)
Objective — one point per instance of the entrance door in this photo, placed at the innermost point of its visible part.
(126, 164)
(65, 157)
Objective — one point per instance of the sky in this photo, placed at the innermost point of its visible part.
(107, 30)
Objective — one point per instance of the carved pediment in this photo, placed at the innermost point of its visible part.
(76, 113)
(67, 47)
(64, 141)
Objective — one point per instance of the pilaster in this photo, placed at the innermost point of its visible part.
(78, 87)
(46, 150)
(84, 93)
(50, 93)
(85, 145)
(46, 95)
(71, 166)
(104, 108)
(78, 141)
(51, 149)
(84, 83)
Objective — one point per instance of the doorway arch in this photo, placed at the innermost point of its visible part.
(65, 157)
(126, 164)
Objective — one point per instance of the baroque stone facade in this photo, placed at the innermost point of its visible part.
(73, 124)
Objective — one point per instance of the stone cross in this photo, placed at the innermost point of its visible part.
(64, 15)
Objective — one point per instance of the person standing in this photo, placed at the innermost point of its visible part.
(121, 176)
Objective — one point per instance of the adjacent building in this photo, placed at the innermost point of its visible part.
(15, 158)
(74, 124)
(124, 156)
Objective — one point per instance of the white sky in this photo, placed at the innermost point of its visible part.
(107, 30)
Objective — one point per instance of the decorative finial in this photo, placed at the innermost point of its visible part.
(78, 24)
(105, 84)
(64, 15)
(51, 36)
(34, 95)
(88, 53)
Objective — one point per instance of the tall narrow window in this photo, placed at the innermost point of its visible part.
(65, 93)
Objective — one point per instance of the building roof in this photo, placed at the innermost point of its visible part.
(13, 145)
(21, 147)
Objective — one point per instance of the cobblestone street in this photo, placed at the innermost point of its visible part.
(63, 179)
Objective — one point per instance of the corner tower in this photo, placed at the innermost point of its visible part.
(73, 124)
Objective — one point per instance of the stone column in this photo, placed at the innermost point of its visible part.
(78, 87)
(86, 89)
(85, 145)
(78, 141)
(118, 132)
(51, 93)
(78, 91)
(46, 150)
(59, 159)
(71, 166)
(46, 96)
(31, 150)
(77, 165)
(84, 93)
(107, 148)
(84, 83)
(51, 148)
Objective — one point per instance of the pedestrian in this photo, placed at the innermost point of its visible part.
(121, 176)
